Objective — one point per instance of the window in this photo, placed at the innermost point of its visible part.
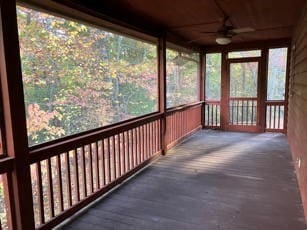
(213, 76)
(181, 77)
(244, 54)
(277, 74)
(78, 77)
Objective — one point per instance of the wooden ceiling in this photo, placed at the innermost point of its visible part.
(271, 19)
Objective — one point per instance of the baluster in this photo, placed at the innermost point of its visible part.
(270, 120)
(83, 170)
(97, 170)
(215, 123)
(68, 180)
(274, 121)
(279, 117)
(115, 173)
(237, 105)
(253, 111)
(90, 163)
(119, 155)
(103, 159)
(148, 140)
(123, 152)
(137, 145)
(246, 111)
(109, 159)
(76, 175)
(40, 193)
(50, 187)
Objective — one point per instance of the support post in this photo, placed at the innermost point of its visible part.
(202, 69)
(224, 91)
(162, 89)
(19, 180)
(262, 89)
(287, 88)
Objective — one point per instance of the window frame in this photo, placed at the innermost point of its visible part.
(287, 69)
(180, 49)
(242, 51)
(76, 15)
(205, 73)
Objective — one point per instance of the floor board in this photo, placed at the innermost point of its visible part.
(215, 180)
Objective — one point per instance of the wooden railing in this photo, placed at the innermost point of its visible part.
(182, 121)
(275, 116)
(212, 113)
(68, 175)
(243, 111)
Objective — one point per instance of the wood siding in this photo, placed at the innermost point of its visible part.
(297, 116)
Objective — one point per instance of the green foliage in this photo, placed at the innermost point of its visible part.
(243, 79)
(213, 76)
(277, 73)
(77, 77)
(182, 78)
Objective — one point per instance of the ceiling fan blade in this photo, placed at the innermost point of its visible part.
(208, 32)
(195, 40)
(243, 30)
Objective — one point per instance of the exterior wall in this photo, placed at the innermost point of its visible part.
(297, 115)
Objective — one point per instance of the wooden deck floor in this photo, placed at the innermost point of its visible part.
(213, 181)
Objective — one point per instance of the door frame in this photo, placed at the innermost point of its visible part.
(260, 101)
(248, 46)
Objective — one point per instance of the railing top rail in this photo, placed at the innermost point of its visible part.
(275, 102)
(243, 98)
(46, 151)
(183, 107)
(212, 102)
(6, 164)
(110, 126)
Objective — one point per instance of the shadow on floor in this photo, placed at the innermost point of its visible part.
(215, 180)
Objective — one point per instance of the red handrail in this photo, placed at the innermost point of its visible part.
(38, 153)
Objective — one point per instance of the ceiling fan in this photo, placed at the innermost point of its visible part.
(226, 32)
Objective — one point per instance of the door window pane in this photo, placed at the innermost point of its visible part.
(243, 79)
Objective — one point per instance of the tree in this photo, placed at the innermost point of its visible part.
(80, 77)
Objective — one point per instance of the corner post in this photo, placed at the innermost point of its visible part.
(287, 88)
(262, 97)
(19, 179)
(224, 91)
(202, 69)
(162, 89)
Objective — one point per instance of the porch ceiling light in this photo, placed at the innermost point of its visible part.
(223, 40)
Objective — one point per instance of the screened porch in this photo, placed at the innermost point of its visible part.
(153, 115)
